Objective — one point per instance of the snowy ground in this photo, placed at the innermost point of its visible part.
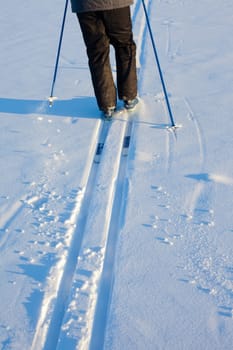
(131, 248)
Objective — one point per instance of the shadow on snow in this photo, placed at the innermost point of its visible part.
(81, 107)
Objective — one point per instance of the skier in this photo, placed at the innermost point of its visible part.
(105, 22)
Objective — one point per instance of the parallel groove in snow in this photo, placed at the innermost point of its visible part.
(91, 259)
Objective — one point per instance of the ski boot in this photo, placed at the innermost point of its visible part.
(131, 104)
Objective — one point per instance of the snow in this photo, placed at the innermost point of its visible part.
(130, 248)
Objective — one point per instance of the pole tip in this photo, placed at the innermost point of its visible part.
(174, 127)
(51, 99)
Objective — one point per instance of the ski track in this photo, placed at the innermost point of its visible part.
(115, 136)
(84, 294)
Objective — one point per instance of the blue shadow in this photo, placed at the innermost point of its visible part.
(200, 177)
(81, 107)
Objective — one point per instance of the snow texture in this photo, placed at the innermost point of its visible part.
(117, 235)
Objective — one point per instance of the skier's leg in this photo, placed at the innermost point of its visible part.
(97, 44)
(119, 29)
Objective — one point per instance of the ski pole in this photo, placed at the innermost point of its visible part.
(52, 98)
(158, 65)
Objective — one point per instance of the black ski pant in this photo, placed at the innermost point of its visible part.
(100, 29)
